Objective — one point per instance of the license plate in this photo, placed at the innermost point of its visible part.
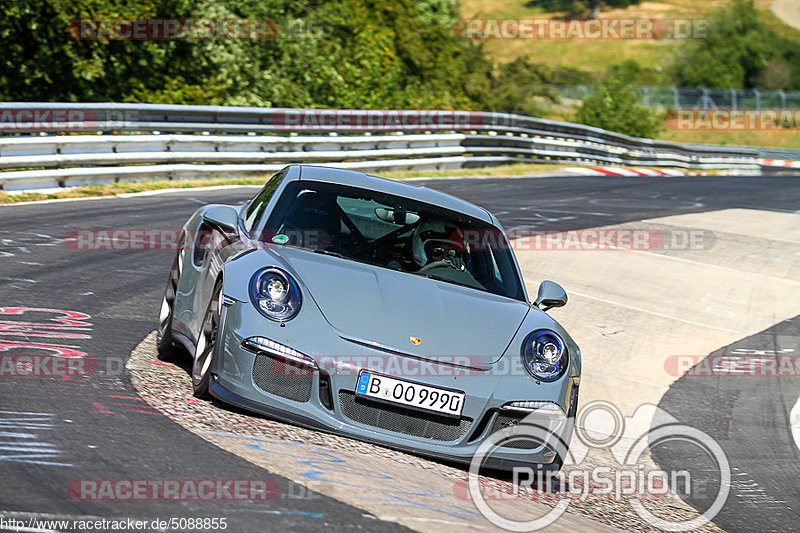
(415, 395)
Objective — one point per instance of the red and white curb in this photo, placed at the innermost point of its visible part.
(780, 163)
(635, 172)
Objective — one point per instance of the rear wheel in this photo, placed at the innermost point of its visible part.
(165, 341)
(206, 342)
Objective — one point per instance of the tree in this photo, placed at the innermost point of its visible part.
(615, 107)
(339, 53)
(737, 49)
(522, 87)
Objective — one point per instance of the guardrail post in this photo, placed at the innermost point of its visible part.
(706, 99)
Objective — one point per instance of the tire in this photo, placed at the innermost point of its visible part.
(206, 344)
(165, 342)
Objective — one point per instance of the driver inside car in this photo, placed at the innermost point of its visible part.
(439, 249)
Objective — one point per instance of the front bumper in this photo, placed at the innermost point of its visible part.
(323, 398)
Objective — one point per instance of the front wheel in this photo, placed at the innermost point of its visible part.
(206, 342)
(165, 341)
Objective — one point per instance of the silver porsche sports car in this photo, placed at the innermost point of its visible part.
(374, 309)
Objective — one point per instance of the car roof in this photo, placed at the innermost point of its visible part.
(365, 181)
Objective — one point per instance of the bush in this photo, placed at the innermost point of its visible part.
(633, 73)
(615, 107)
(521, 87)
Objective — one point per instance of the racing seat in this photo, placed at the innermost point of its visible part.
(313, 221)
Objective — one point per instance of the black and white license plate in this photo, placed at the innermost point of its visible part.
(378, 386)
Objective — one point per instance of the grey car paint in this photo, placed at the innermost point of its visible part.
(354, 309)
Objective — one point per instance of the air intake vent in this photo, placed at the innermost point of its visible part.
(283, 377)
(508, 420)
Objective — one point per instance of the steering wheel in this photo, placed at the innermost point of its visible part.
(454, 262)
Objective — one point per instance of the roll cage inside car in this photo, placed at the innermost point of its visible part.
(377, 228)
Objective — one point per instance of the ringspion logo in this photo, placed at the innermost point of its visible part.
(627, 478)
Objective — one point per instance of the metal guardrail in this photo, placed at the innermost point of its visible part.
(779, 153)
(146, 141)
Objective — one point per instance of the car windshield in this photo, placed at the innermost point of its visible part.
(394, 232)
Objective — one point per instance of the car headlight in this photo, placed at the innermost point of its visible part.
(275, 294)
(544, 354)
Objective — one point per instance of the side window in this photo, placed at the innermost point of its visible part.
(259, 203)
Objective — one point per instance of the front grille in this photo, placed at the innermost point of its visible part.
(283, 377)
(504, 421)
(408, 421)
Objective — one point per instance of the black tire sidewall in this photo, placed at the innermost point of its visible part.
(165, 342)
(200, 388)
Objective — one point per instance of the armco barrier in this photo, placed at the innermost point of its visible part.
(56, 145)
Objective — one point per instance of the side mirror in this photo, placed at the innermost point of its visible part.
(224, 217)
(550, 295)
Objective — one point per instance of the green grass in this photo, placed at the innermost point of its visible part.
(585, 54)
(777, 138)
(500, 171)
(596, 55)
(774, 138)
(774, 23)
(114, 189)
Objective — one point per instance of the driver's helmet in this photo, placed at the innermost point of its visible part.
(435, 240)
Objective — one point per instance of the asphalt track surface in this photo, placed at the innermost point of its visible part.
(97, 428)
(748, 415)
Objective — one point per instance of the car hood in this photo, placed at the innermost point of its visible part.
(386, 308)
